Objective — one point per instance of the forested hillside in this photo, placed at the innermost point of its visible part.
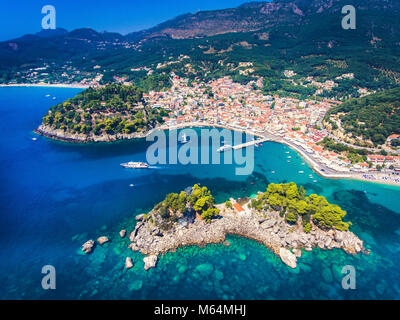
(109, 110)
(374, 117)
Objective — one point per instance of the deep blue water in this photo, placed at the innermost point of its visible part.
(55, 196)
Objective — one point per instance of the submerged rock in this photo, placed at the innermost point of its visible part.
(122, 233)
(288, 258)
(136, 285)
(219, 275)
(102, 240)
(205, 269)
(327, 275)
(88, 246)
(128, 263)
(182, 269)
(242, 256)
(150, 261)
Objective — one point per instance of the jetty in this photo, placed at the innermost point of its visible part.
(250, 143)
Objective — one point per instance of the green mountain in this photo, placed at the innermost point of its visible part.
(300, 35)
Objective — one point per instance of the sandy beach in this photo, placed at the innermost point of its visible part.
(48, 85)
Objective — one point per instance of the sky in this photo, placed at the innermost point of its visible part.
(19, 17)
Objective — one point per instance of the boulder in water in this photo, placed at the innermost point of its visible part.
(128, 263)
(288, 258)
(150, 261)
(102, 240)
(122, 233)
(297, 252)
(88, 246)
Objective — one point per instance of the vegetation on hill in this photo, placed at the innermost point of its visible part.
(303, 36)
(373, 118)
(352, 154)
(197, 200)
(109, 110)
(292, 203)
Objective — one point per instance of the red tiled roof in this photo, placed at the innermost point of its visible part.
(238, 207)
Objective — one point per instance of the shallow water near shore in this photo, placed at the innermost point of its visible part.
(55, 196)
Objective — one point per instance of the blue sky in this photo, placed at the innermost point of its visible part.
(19, 17)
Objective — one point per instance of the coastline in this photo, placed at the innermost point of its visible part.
(47, 85)
(318, 167)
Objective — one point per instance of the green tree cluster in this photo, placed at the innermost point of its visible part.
(110, 110)
(292, 202)
(200, 200)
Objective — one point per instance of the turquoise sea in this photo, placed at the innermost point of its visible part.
(55, 196)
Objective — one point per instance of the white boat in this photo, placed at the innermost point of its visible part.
(135, 165)
(34, 139)
(131, 185)
(272, 171)
(301, 171)
(54, 98)
(224, 148)
(47, 95)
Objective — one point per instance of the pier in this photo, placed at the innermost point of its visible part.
(248, 144)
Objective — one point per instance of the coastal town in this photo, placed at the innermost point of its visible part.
(294, 122)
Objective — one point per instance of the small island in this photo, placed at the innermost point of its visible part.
(283, 218)
(105, 114)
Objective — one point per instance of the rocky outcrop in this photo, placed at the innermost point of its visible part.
(102, 240)
(128, 263)
(288, 258)
(87, 247)
(61, 135)
(267, 227)
(150, 261)
(122, 233)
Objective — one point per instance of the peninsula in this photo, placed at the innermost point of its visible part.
(283, 218)
(105, 114)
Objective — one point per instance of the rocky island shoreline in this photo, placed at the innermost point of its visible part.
(64, 136)
(283, 219)
(284, 240)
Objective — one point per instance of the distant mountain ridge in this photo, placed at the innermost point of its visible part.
(303, 35)
(251, 16)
